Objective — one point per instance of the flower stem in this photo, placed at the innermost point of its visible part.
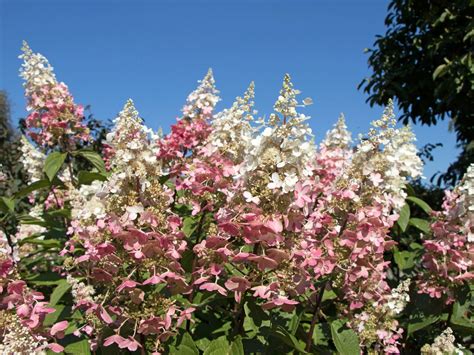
(309, 338)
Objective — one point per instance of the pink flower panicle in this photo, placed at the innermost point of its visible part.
(55, 120)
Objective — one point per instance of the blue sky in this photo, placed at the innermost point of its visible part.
(154, 52)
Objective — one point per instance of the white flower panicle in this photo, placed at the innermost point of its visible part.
(17, 338)
(443, 344)
(203, 100)
(284, 149)
(80, 291)
(399, 298)
(85, 202)
(36, 70)
(32, 160)
(134, 149)
(3, 175)
(465, 207)
(5, 248)
(388, 157)
(339, 136)
(232, 129)
(467, 190)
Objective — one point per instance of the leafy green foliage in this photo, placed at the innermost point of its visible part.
(53, 163)
(345, 340)
(425, 61)
(92, 157)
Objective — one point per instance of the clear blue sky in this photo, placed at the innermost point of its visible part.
(154, 52)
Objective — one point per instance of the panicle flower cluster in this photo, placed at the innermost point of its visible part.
(449, 248)
(22, 312)
(201, 102)
(387, 157)
(55, 120)
(17, 338)
(283, 149)
(193, 128)
(32, 160)
(133, 150)
(232, 206)
(80, 291)
(232, 128)
(376, 324)
(443, 344)
(339, 136)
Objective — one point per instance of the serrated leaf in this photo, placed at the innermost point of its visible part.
(53, 164)
(421, 224)
(345, 340)
(94, 158)
(420, 203)
(60, 290)
(80, 347)
(404, 217)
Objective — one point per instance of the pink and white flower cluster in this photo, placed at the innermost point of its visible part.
(231, 205)
(55, 120)
(449, 257)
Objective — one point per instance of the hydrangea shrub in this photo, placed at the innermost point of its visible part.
(233, 233)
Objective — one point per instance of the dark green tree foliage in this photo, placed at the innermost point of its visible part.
(9, 151)
(425, 62)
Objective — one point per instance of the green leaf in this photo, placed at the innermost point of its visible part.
(62, 212)
(219, 346)
(45, 279)
(404, 259)
(421, 224)
(94, 158)
(329, 295)
(237, 348)
(187, 346)
(47, 243)
(189, 226)
(322, 334)
(60, 290)
(40, 184)
(289, 339)
(345, 340)
(53, 163)
(295, 321)
(420, 203)
(7, 204)
(80, 347)
(440, 71)
(404, 217)
(86, 177)
(421, 323)
(27, 219)
(52, 318)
